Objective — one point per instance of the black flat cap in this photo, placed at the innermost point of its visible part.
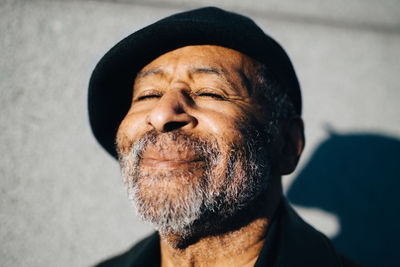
(111, 83)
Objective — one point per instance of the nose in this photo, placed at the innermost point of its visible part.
(170, 112)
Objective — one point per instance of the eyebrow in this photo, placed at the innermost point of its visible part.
(149, 72)
(214, 71)
(218, 72)
(193, 70)
(207, 70)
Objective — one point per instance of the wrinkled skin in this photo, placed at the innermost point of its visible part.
(194, 129)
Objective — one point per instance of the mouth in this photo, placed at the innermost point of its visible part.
(169, 163)
(169, 158)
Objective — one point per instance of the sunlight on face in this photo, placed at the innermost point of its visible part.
(191, 146)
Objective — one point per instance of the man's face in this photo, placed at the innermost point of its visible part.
(194, 144)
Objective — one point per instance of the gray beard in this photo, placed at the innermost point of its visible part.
(175, 201)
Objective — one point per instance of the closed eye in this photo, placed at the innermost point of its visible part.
(147, 97)
(216, 96)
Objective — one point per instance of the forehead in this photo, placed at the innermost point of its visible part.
(215, 57)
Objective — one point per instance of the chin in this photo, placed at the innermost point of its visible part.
(189, 202)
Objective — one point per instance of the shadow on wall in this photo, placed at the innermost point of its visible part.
(356, 177)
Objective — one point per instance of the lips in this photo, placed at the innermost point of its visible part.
(169, 157)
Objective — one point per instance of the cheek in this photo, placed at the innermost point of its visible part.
(220, 126)
(224, 122)
(129, 131)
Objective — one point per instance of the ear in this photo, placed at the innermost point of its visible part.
(290, 145)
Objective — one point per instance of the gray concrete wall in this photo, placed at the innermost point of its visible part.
(62, 201)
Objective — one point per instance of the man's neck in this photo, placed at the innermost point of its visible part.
(239, 247)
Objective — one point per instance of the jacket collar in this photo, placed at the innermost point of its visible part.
(289, 242)
(292, 242)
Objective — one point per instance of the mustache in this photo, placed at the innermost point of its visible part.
(204, 148)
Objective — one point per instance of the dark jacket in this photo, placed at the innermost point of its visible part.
(289, 242)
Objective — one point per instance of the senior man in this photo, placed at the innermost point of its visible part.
(202, 109)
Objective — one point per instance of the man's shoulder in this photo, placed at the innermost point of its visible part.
(296, 244)
(300, 244)
(144, 253)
